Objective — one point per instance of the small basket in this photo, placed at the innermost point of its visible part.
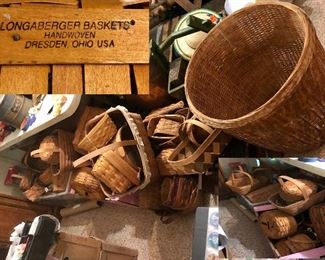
(88, 114)
(108, 170)
(164, 110)
(277, 224)
(165, 127)
(317, 217)
(294, 190)
(301, 242)
(180, 192)
(48, 150)
(98, 132)
(242, 182)
(87, 185)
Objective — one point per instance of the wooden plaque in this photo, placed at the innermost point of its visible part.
(80, 36)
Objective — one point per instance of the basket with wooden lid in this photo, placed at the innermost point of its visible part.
(301, 242)
(276, 224)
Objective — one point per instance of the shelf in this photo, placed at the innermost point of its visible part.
(44, 119)
(317, 168)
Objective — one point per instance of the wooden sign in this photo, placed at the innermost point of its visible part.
(80, 36)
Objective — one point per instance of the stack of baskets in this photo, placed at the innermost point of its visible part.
(283, 229)
(186, 148)
(118, 159)
(57, 154)
(294, 197)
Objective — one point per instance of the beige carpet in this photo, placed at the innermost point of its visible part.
(136, 228)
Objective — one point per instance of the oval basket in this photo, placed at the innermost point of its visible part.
(259, 75)
(277, 224)
(317, 217)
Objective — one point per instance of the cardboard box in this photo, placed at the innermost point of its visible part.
(74, 247)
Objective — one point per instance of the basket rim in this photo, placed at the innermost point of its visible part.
(287, 89)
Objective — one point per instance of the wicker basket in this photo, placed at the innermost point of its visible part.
(165, 127)
(119, 174)
(164, 110)
(294, 190)
(115, 173)
(48, 150)
(301, 242)
(180, 192)
(87, 185)
(282, 247)
(242, 182)
(88, 114)
(317, 217)
(277, 224)
(259, 75)
(98, 132)
(262, 194)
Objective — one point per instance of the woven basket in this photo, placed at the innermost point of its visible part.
(48, 150)
(277, 224)
(294, 190)
(114, 168)
(180, 192)
(317, 217)
(88, 114)
(301, 242)
(98, 132)
(242, 182)
(282, 247)
(87, 185)
(164, 110)
(262, 194)
(116, 179)
(165, 127)
(259, 75)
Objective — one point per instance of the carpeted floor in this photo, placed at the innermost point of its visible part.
(136, 228)
(245, 236)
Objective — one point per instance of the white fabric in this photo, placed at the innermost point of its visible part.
(232, 6)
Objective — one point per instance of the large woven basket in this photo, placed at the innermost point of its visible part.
(317, 217)
(277, 224)
(259, 75)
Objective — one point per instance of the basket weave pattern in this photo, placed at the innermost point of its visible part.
(110, 176)
(300, 242)
(87, 185)
(99, 135)
(277, 224)
(271, 85)
(317, 217)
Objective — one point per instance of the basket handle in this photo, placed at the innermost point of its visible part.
(102, 150)
(36, 153)
(245, 173)
(298, 183)
(194, 156)
(186, 127)
(93, 121)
